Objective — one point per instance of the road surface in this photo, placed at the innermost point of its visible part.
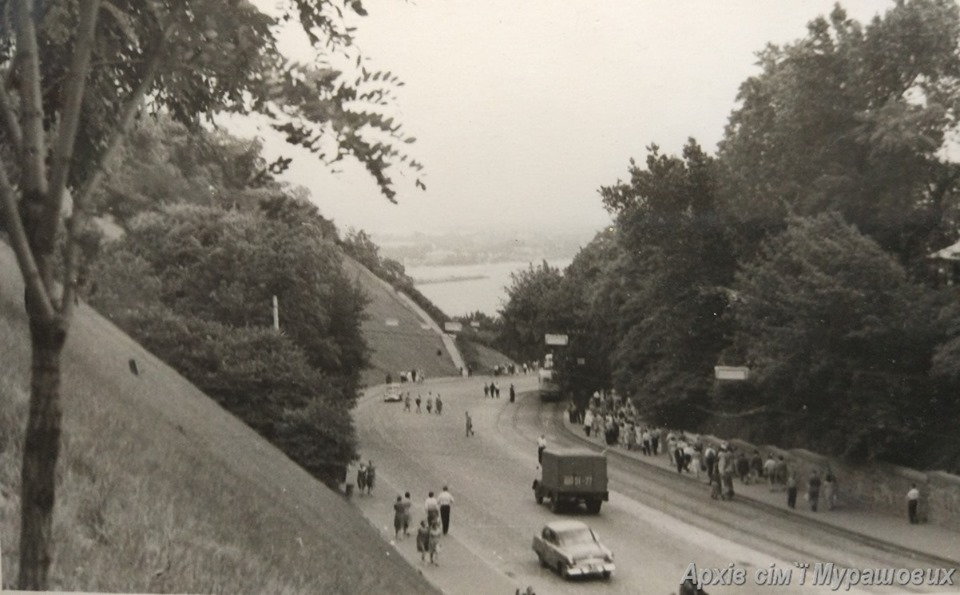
(656, 525)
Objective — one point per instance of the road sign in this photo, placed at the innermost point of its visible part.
(452, 327)
(731, 372)
(560, 340)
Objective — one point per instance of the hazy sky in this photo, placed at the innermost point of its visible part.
(522, 109)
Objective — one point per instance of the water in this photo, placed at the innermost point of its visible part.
(463, 289)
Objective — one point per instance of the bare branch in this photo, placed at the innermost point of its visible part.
(32, 279)
(70, 116)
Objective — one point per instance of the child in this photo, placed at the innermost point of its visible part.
(715, 486)
(434, 542)
(423, 540)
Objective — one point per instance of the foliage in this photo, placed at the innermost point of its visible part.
(535, 306)
(838, 340)
(674, 262)
(852, 118)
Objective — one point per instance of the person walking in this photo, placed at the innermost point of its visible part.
(813, 490)
(913, 503)
(792, 490)
(398, 517)
(434, 543)
(423, 540)
(432, 507)
(513, 394)
(418, 402)
(486, 390)
(830, 489)
(541, 446)
(430, 403)
(406, 402)
(407, 505)
(439, 405)
(469, 424)
(445, 499)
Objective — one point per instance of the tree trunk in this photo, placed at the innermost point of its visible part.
(40, 453)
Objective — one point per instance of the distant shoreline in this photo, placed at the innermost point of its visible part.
(449, 279)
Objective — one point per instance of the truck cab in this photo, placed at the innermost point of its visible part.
(572, 476)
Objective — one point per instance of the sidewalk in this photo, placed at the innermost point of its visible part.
(895, 531)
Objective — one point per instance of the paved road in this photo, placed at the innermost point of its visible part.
(656, 525)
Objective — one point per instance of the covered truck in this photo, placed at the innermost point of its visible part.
(572, 476)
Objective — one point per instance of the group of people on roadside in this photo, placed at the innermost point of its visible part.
(366, 477)
(436, 524)
(616, 422)
(432, 403)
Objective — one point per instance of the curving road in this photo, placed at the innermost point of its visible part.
(656, 524)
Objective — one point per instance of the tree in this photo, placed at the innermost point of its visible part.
(838, 340)
(675, 262)
(852, 119)
(74, 76)
(534, 308)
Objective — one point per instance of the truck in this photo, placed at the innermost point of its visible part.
(572, 476)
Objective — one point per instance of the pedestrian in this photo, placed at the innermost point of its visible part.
(439, 405)
(406, 402)
(715, 485)
(432, 507)
(486, 390)
(513, 394)
(407, 504)
(913, 502)
(588, 422)
(769, 470)
(430, 403)
(445, 499)
(541, 446)
(813, 490)
(371, 476)
(362, 478)
(434, 543)
(469, 424)
(423, 540)
(418, 402)
(792, 490)
(398, 517)
(830, 489)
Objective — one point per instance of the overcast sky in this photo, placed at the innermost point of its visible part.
(522, 109)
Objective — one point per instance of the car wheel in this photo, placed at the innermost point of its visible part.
(606, 576)
(538, 495)
(593, 506)
(543, 563)
(562, 570)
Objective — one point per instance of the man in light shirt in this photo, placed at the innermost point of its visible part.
(445, 500)
(913, 499)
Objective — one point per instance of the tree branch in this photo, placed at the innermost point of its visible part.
(130, 110)
(10, 118)
(70, 116)
(33, 150)
(32, 279)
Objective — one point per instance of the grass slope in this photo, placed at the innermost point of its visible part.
(161, 490)
(403, 347)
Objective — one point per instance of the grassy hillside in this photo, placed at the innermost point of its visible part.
(402, 347)
(160, 490)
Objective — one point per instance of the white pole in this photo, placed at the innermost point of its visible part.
(276, 314)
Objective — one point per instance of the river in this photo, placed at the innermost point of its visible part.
(463, 289)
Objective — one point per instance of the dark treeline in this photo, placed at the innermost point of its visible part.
(801, 250)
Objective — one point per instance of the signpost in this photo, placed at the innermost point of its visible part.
(560, 340)
(452, 327)
(731, 372)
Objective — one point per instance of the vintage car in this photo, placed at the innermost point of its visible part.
(392, 394)
(572, 549)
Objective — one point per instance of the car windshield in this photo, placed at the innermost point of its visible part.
(576, 537)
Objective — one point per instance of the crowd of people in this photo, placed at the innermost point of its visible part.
(432, 527)
(617, 423)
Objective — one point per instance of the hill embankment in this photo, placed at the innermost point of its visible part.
(161, 490)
